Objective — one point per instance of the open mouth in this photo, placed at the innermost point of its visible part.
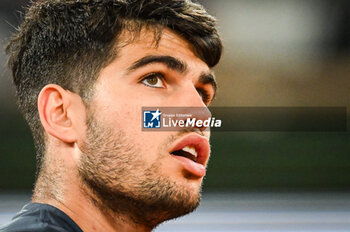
(192, 151)
(188, 152)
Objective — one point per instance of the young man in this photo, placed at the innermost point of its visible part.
(83, 70)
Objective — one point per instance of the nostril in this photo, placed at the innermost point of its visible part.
(200, 114)
(204, 113)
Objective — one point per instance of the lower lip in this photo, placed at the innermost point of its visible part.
(192, 167)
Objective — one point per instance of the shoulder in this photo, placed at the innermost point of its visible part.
(40, 217)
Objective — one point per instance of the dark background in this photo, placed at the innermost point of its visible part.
(277, 53)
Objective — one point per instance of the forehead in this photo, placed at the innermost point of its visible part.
(132, 47)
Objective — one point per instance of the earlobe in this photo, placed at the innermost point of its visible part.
(54, 104)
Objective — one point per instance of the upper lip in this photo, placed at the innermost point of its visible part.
(200, 143)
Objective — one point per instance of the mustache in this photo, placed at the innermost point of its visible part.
(190, 130)
(172, 138)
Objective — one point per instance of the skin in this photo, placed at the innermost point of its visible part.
(106, 136)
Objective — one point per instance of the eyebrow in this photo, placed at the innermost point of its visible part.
(171, 62)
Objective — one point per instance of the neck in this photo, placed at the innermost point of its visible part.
(67, 193)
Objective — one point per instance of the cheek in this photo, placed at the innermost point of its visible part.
(129, 121)
(121, 108)
(154, 142)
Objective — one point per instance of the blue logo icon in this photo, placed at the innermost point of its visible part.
(151, 118)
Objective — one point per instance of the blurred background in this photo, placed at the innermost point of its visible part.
(277, 53)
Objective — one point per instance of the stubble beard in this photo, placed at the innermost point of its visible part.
(112, 168)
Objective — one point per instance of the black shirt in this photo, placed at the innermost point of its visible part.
(40, 217)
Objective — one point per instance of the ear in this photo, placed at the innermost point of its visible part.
(55, 106)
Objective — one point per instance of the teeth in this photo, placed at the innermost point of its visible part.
(190, 149)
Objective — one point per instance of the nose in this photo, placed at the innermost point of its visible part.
(202, 114)
(191, 104)
(188, 96)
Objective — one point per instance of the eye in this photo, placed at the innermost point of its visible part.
(154, 80)
(204, 95)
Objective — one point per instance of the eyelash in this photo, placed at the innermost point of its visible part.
(155, 74)
(203, 93)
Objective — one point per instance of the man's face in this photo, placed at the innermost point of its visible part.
(132, 171)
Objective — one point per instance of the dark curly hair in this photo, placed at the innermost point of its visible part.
(68, 42)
